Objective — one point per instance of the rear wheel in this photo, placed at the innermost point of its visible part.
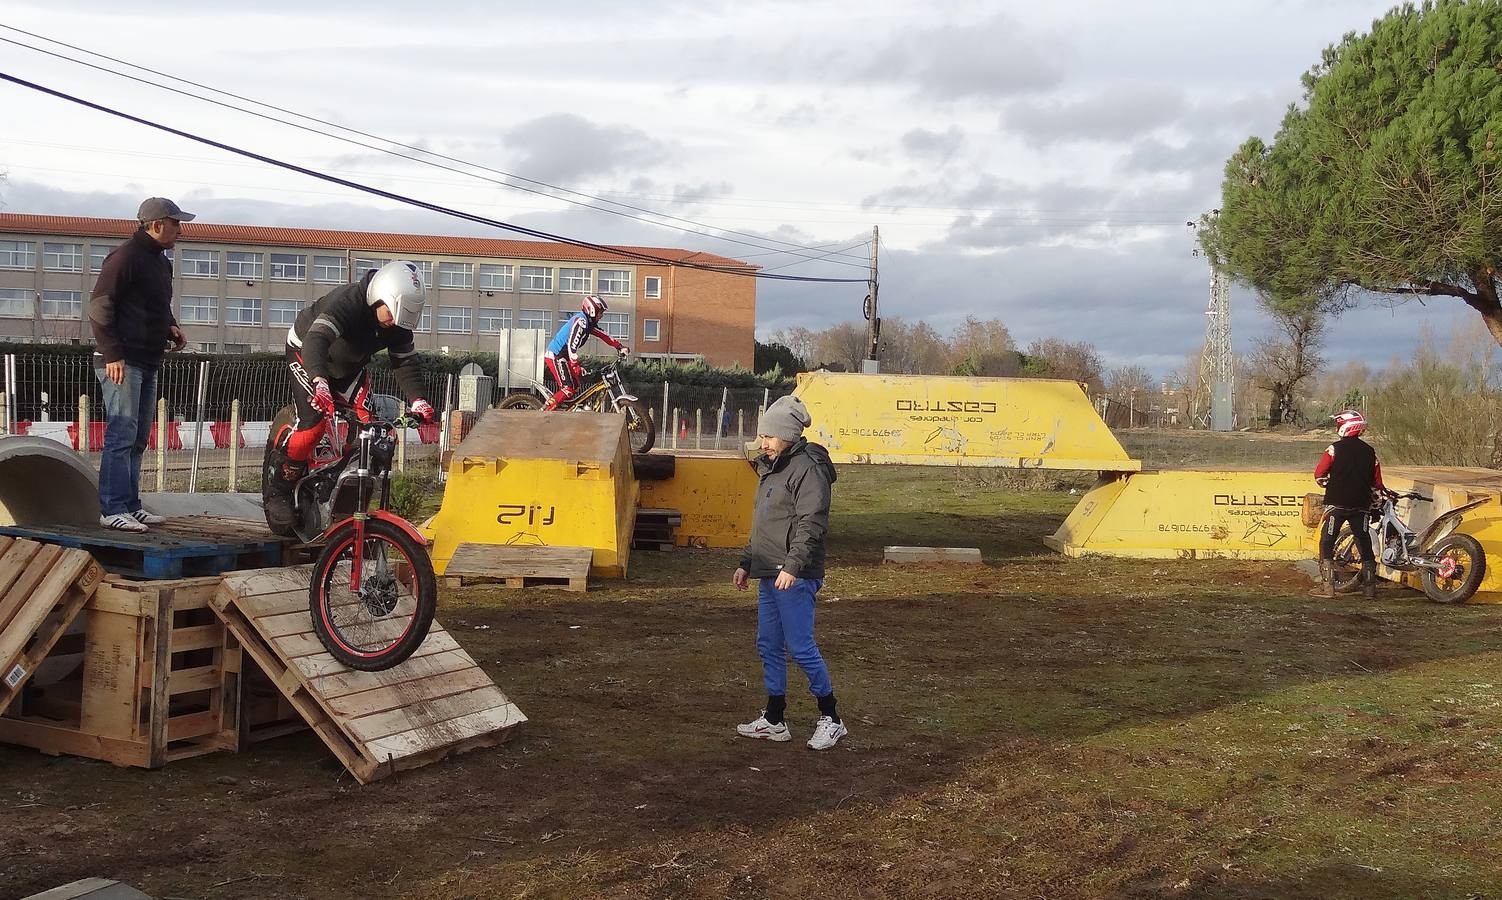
(385, 622)
(1465, 566)
(520, 400)
(1347, 562)
(639, 426)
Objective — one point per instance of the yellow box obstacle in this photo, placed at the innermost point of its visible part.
(1190, 515)
(713, 491)
(931, 420)
(559, 479)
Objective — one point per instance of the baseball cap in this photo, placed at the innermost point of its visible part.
(154, 208)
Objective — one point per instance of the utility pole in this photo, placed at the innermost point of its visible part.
(873, 320)
(1217, 376)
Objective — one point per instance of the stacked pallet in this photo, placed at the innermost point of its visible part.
(520, 565)
(656, 529)
(42, 589)
(181, 547)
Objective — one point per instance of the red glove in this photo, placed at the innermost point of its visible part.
(323, 398)
(577, 368)
(423, 410)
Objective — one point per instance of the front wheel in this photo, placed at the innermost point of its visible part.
(639, 425)
(520, 400)
(1465, 566)
(384, 622)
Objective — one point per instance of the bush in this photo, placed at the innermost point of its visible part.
(1441, 409)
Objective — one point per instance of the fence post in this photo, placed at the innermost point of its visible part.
(161, 443)
(740, 429)
(443, 431)
(675, 428)
(203, 387)
(766, 395)
(12, 415)
(234, 442)
(401, 443)
(4, 415)
(83, 423)
(699, 429)
(665, 425)
(719, 422)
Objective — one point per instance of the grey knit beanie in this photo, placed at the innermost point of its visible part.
(786, 418)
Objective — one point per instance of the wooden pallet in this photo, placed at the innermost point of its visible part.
(438, 703)
(91, 889)
(148, 676)
(520, 565)
(656, 529)
(182, 547)
(42, 589)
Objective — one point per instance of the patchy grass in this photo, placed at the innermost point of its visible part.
(1037, 726)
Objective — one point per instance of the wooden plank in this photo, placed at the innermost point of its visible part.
(322, 663)
(118, 597)
(197, 637)
(112, 657)
(91, 889)
(193, 725)
(299, 646)
(431, 687)
(509, 560)
(17, 556)
(198, 678)
(433, 718)
(33, 606)
(52, 738)
(421, 740)
(370, 772)
(158, 650)
(14, 675)
(25, 584)
(339, 684)
(966, 555)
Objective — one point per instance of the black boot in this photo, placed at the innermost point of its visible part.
(280, 478)
(1369, 581)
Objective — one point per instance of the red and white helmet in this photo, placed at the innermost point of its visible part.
(593, 306)
(1350, 423)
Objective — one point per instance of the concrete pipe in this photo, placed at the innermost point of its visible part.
(43, 482)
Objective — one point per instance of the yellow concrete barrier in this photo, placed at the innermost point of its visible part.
(933, 420)
(1190, 515)
(559, 479)
(714, 491)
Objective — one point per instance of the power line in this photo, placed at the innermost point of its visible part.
(387, 150)
(412, 201)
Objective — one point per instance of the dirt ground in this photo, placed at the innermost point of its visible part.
(1036, 727)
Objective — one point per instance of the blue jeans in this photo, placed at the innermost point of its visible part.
(785, 623)
(128, 407)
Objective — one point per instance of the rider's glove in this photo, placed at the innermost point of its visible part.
(1323, 481)
(623, 352)
(423, 410)
(323, 398)
(577, 368)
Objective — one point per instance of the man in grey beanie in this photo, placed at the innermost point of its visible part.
(786, 552)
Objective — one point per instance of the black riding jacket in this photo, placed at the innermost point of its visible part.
(338, 334)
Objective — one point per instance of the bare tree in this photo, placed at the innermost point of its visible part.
(1062, 359)
(1283, 362)
(983, 347)
(911, 349)
(841, 346)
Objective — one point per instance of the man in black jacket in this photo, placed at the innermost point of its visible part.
(130, 313)
(328, 348)
(1349, 472)
(786, 552)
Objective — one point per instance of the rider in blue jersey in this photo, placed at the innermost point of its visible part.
(565, 347)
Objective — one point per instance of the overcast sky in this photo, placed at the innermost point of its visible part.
(1031, 162)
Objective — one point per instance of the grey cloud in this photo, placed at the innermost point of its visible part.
(698, 193)
(1152, 155)
(993, 57)
(564, 148)
(933, 146)
(1117, 113)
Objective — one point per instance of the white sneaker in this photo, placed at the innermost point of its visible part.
(762, 730)
(146, 518)
(122, 522)
(827, 733)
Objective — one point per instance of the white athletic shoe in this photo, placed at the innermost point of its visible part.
(827, 733)
(146, 518)
(122, 522)
(762, 730)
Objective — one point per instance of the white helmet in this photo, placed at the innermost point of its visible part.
(593, 306)
(399, 285)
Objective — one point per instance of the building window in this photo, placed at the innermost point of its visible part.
(238, 264)
(653, 287)
(617, 325)
(563, 317)
(207, 347)
(537, 279)
(457, 319)
(17, 304)
(289, 267)
(367, 264)
(614, 282)
(18, 255)
(283, 312)
(425, 269)
(199, 310)
(495, 278)
(239, 348)
(460, 276)
(651, 329)
(199, 264)
(242, 311)
(573, 281)
(426, 322)
(97, 253)
(62, 257)
(328, 269)
(62, 305)
(494, 321)
(533, 318)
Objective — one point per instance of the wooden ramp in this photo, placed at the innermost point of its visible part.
(518, 565)
(438, 703)
(42, 589)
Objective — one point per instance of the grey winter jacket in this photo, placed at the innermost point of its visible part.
(792, 513)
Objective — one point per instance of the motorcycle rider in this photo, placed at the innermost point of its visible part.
(328, 348)
(562, 356)
(1350, 474)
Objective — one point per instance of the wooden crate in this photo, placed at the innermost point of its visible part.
(42, 589)
(437, 703)
(520, 565)
(147, 676)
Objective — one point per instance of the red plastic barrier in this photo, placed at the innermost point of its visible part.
(428, 434)
(23, 427)
(220, 431)
(96, 435)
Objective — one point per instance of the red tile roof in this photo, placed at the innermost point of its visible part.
(375, 242)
